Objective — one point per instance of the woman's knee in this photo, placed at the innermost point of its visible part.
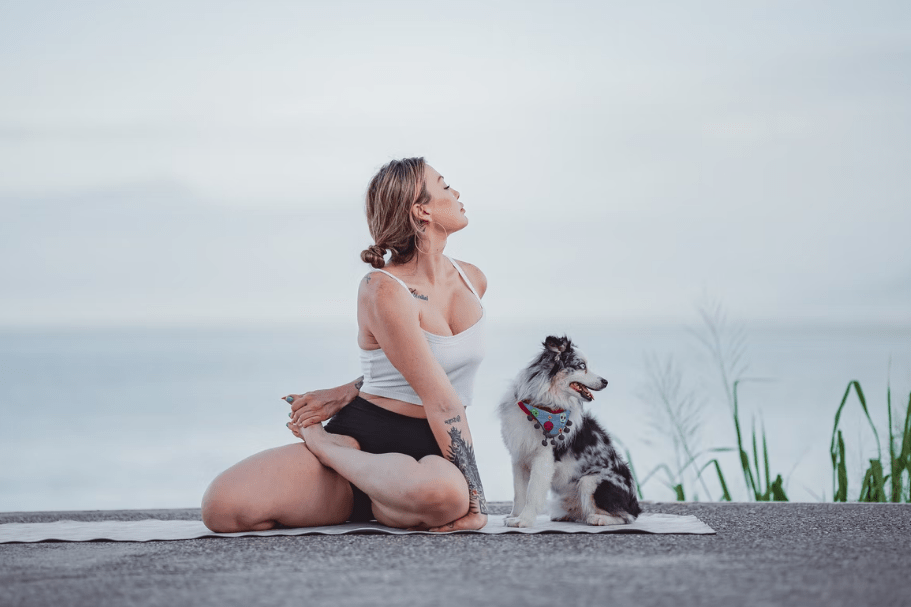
(445, 501)
(442, 495)
(224, 509)
(218, 510)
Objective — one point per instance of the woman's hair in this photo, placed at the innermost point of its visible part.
(392, 192)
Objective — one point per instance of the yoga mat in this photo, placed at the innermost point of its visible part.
(153, 529)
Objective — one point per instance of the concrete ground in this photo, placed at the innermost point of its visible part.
(763, 554)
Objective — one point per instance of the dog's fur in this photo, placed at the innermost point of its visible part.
(590, 480)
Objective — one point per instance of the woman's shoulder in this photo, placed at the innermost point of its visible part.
(378, 284)
(381, 297)
(475, 275)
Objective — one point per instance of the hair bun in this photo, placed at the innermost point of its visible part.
(374, 256)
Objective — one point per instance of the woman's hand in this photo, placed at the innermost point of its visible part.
(471, 521)
(318, 406)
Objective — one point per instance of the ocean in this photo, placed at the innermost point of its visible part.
(145, 418)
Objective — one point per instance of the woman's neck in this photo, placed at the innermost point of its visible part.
(429, 263)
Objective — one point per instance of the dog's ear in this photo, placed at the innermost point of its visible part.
(556, 344)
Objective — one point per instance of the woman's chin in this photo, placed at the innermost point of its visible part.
(457, 227)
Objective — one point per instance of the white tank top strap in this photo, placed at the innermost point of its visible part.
(465, 278)
(393, 277)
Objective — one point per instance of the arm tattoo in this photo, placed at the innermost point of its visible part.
(367, 279)
(453, 420)
(462, 455)
(359, 382)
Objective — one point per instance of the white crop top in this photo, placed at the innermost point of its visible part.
(460, 356)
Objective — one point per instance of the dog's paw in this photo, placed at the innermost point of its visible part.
(629, 518)
(518, 521)
(603, 520)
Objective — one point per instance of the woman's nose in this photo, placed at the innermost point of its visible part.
(456, 193)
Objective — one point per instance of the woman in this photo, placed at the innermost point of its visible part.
(398, 447)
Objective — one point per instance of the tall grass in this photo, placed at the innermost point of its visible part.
(725, 342)
(876, 486)
(770, 490)
(676, 415)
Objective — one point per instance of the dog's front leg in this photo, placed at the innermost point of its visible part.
(539, 481)
(520, 476)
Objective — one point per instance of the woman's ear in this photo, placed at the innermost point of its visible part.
(421, 212)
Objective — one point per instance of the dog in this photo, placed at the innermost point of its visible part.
(556, 445)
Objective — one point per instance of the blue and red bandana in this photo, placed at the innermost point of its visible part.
(553, 422)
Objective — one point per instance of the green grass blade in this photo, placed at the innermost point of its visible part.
(905, 455)
(725, 493)
(706, 465)
(877, 483)
(844, 399)
(833, 446)
(863, 403)
(765, 457)
(840, 490)
(906, 434)
(747, 473)
(678, 489)
(744, 460)
(895, 464)
(865, 487)
(758, 480)
(777, 490)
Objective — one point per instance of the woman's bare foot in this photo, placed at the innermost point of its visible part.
(317, 439)
(294, 430)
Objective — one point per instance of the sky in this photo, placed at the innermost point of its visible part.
(205, 163)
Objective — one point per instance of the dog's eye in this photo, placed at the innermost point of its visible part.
(582, 366)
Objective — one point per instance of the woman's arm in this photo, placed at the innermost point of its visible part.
(393, 317)
(319, 405)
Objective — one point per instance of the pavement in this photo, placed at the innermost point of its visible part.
(763, 554)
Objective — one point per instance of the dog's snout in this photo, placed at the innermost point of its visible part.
(603, 383)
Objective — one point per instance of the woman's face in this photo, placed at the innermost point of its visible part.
(444, 211)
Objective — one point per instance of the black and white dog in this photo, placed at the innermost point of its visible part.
(556, 445)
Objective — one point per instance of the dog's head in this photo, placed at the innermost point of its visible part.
(562, 370)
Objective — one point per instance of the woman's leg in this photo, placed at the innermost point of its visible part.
(285, 485)
(405, 492)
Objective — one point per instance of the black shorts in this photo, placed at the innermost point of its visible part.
(381, 431)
